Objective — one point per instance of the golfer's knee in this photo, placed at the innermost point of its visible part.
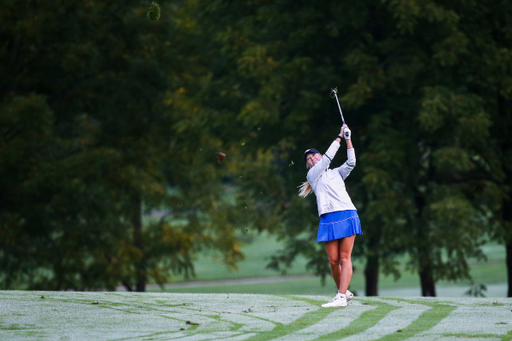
(334, 262)
(346, 260)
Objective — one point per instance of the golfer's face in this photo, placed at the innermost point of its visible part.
(312, 159)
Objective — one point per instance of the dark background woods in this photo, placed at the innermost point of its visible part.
(105, 116)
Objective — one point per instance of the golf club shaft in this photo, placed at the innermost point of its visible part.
(339, 107)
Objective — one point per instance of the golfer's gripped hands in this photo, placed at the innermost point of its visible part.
(345, 132)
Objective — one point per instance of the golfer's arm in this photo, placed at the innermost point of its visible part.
(349, 165)
(349, 144)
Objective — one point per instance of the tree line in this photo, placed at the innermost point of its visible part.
(105, 116)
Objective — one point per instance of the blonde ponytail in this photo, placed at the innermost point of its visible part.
(305, 189)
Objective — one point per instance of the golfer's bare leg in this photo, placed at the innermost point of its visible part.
(346, 246)
(333, 252)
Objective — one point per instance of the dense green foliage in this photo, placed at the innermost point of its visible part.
(105, 115)
(419, 81)
(94, 125)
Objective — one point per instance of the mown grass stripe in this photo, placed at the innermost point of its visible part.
(427, 320)
(468, 336)
(151, 336)
(507, 337)
(300, 323)
(339, 318)
(235, 326)
(364, 322)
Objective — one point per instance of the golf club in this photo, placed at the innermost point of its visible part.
(334, 93)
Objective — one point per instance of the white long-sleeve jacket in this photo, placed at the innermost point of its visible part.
(328, 184)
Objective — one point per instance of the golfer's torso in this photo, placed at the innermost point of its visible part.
(331, 194)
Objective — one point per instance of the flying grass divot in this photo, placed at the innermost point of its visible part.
(26, 315)
(220, 156)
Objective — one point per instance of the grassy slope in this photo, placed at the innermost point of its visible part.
(26, 315)
(262, 246)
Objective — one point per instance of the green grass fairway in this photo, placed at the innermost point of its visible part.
(289, 285)
(45, 315)
(209, 269)
(261, 246)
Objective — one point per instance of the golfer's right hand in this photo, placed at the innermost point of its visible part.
(345, 132)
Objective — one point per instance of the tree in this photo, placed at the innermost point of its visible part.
(438, 139)
(402, 68)
(473, 87)
(489, 77)
(96, 123)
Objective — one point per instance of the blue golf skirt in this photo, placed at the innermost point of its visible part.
(337, 225)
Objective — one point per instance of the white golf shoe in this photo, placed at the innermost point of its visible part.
(338, 301)
(349, 295)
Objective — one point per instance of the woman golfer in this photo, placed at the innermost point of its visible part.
(339, 222)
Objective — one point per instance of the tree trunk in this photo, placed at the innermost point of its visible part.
(139, 244)
(504, 110)
(508, 247)
(425, 269)
(426, 272)
(428, 285)
(127, 286)
(371, 274)
(507, 221)
(372, 268)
